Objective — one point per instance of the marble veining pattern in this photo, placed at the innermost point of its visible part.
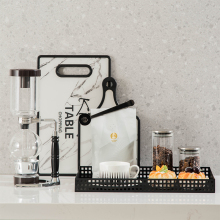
(165, 56)
(66, 93)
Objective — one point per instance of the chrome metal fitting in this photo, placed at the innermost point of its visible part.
(26, 167)
(27, 121)
(55, 180)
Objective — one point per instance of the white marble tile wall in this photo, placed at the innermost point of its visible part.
(165, 56)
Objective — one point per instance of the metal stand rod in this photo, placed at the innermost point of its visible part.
(54, 153)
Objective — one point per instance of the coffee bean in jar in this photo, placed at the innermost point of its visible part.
(162, 144)
(189, 157)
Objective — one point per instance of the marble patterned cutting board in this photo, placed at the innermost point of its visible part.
(60, 99)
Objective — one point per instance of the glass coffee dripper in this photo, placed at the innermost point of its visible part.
(25, 145)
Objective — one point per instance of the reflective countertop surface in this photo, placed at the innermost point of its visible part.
(65, 194)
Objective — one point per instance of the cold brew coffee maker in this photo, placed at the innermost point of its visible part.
(25, 145)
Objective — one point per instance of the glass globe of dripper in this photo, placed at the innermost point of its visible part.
(25, 145)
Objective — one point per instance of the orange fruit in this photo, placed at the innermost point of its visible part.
(158, 168)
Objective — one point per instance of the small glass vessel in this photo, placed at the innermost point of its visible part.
(189, 157)
(162, 144)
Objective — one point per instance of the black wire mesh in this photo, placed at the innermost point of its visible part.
(85, 183)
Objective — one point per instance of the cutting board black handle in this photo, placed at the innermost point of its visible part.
(108, 83)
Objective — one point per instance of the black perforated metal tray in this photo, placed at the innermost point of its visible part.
(85, 183)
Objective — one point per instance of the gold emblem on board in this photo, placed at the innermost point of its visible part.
(113, 136)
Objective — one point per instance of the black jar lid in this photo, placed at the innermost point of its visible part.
(189, 149)
(167, 133)
(25, 72)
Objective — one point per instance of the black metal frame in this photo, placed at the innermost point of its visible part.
(85, 183)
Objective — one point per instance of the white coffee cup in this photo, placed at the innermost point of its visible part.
(116, 169)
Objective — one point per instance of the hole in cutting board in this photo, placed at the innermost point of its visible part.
(73, 70)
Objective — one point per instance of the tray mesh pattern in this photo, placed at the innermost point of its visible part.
(85, 183)
(85, 172)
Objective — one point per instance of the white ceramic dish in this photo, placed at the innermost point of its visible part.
(117, 169)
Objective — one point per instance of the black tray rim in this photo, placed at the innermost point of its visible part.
(147, 181)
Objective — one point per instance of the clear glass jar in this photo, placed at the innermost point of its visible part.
(162, 144)
(24, 92)
(189, 157)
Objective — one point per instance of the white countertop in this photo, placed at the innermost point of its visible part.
(62, 202)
